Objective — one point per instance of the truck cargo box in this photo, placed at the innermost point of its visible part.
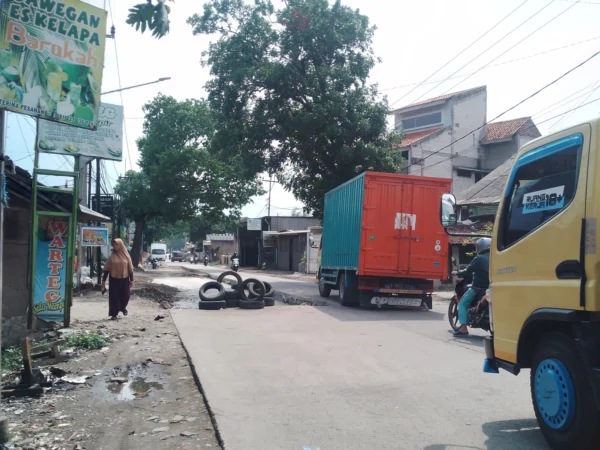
(386, 225)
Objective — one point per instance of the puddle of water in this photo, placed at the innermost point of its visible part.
(140, 383)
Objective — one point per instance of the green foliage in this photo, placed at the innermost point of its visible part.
(202, 225)
(91, 341)
(154, 17)
(12, 360)
(181, 175)
(289, 87)
(487, 229)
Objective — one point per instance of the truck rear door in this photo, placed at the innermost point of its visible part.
(401, 232)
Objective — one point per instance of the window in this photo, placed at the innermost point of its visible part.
(480, 175)
(463, 173)
(543, 183)
(158, 251)
(422, 121)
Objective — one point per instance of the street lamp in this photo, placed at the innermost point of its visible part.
(137, 85)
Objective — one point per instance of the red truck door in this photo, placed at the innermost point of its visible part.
(401, 232)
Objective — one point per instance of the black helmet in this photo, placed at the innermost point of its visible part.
(483, 245)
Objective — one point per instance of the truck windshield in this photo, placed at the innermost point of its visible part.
(158, 251)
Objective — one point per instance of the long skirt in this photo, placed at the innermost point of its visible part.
(118, 296)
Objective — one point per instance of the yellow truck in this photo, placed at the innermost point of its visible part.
(545, 281)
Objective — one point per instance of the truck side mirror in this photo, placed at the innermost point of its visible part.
(448, 211)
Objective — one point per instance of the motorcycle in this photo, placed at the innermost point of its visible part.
(206, 261)
(154, 263)
(235, 264)
(479, 313)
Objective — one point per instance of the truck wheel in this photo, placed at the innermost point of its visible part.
(324, 289)
(348, 296)
(562, 397)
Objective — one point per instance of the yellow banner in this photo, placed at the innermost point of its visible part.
(51, 59)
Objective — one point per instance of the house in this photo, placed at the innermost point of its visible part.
(448, 137)
(257, 245)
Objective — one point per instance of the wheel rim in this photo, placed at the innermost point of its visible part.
(554, 394)
(453, 318)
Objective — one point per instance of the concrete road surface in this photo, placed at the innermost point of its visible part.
(334, 378)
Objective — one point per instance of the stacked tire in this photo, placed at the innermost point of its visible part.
(245, 294)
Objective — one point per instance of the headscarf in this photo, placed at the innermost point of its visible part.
(119, 263)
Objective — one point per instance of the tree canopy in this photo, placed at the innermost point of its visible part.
(179, 175)
(290, 94)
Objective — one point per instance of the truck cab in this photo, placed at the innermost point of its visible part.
(544, 291)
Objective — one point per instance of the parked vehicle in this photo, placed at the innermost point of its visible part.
(545, 293)
(479, 316)
(177, 257)
(159, 251)
(382, 244)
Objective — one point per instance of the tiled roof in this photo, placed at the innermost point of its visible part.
(478, 227)
(503, 130)
(411, 138)
(440, 98)
(488, 190)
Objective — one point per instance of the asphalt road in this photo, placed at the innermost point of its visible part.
(328, 377)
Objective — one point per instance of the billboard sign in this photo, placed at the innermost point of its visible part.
(105, 143)
(107, 207)
(50, 278)
(94, 236)
(254, 224)
(51, 59)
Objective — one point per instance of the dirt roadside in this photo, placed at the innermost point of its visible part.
(139, 393)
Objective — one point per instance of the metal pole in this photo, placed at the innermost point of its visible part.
(270, 184)
(3, 194)
(98, 249)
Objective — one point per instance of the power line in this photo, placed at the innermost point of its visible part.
(483, 52)
(516, 105)
(462, 51)
(583, 101)
(121, 93)
(549, 108)
(502, 63)
(510, 48)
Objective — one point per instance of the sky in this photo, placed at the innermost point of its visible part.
(413, 40)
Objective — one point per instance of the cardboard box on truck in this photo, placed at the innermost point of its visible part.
(381, 234)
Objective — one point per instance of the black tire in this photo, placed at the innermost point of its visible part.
(453, 314)
(252, 304)
(213, 305)
(211, 285)
(235, 269)
(583, 432)
(348, 296)
(258, 289)
(269, 301)
(232, 302)
(269, 291)
(231, 295)
(324, 289)
(235, 275)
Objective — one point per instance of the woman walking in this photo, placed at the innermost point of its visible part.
(120, 268)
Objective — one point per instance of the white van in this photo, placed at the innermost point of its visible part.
(158, 251)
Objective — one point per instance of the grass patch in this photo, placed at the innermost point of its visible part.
(12, 360)
(92, 341)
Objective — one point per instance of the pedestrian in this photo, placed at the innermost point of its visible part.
(120, 268)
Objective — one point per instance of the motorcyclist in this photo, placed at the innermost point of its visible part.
(479, 269)
(235, 255)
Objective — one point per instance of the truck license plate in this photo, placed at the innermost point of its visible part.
(396, 301)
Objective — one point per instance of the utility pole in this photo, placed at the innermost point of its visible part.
(98, 249)
(2, 199)
(270, 181)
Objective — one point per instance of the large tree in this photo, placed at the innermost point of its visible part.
(179, 175)
(290, 93)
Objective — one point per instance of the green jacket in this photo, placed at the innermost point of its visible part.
(479, 270)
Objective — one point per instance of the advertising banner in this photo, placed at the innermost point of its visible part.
(51, 59)
(105, 143)
(94, 236)
(50, 277)
(107, 205)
